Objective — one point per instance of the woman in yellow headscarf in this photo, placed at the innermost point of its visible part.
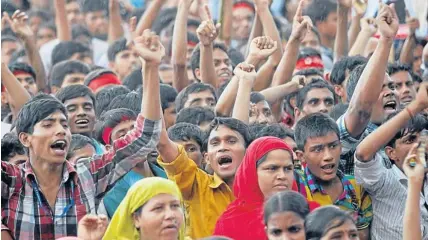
(152, 209)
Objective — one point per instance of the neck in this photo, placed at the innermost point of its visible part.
(46, 174)
(143, 169)
(327, 42)
(327, 184)
(88, 134)
(229, 182)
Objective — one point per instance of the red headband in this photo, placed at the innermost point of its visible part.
(309, 62)
(107, 131)
(243, 5)
(105, 79)
(192, 44)
(17, 72)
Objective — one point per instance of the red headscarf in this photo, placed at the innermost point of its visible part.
(243, 218)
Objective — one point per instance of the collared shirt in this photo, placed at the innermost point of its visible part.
(388, 190)
(353, 198)
(25, 210)
(349, 144)
(206, 196)
(115, 196)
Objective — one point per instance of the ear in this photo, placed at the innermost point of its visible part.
(300, 156)
(25, 138)
(205, 156)
(339, 90)
(198, 73)
(297, 114)
(4, 98)
(136, 220)
(390, 152)
(54, 89)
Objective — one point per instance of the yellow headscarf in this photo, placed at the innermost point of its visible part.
(122, 225)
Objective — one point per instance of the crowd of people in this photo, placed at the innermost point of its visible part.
(206, 119)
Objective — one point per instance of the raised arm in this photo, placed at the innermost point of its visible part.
(341, 41)
(24, 32)
(406, 55)
(61, 22)
(226, 21)
(256, 31)
(246, 74)
(115, 29)
(368, 28)
(370, 83)
(149, 16)
(179, 46)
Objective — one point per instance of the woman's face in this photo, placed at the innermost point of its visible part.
(160, 218)
(285, 226)
(346, 231)
(275, 173)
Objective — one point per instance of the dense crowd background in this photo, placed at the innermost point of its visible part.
(214, 119)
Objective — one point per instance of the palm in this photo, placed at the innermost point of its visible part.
(18, 24)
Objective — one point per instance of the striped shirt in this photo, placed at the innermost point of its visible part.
(25, 210)
(388, 190)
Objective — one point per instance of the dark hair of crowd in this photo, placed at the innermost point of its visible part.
(105, 96)
(186, 132)
(78, 30)
(35, 110)
(64, 50)
(131, 100)
(168, 95)
(319, 10)
(231, 123)
(18, 56)
(275, 130)
(318, 84)
(46, 16)
(286, 201)
(192, 88)
(78, 141)
(312, 126)
(309, 72)
(62, 69)
(133, 80)
(191, 38)
(49, 25)
(94, 6)
(111, 119)
(195, 115)
(8, 38)
(115, 48)
(11, 146)
(343, 66)
(354, 76)
(323, 219)
(164, 19)
(414, 125)
(196, 55)
(235, 57)
(22, 67)
(256, 97)
(75, 91)
(394, 68)
(308, 52)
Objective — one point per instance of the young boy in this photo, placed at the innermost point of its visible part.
(198, 116)
(66, 73)
(122, 59)
(168, 96)
(101, 78)
(318, 143)
(25, 75)
(196, 95)
(402, 77)
(12, 150)
(260, 111)
(388, 187)
(81, 147)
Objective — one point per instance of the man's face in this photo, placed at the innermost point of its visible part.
(7, 49)
(226, 149)
(402, 147)
(317, 100)
(387, 102)
(125, 62)
(97, 23)
(417, 59)
(45, 35)
(85, 57)
(73, 79)
(170, 115)
(166, 75)
(261, 113)
(121, 130)
(328, 27)
(222, 65)
(242, 22)
(18, 159)
(201, 99)
(311, 40)
(74, 15)
(322, 156)
(28, 82)
(50, 139)
(81, 114)
(193, 150)
(34, 23)
(82, 153)
(404, 86)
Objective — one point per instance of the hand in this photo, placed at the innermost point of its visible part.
(92, 227)
(412, 22)
(245, 72)
(207, 32)
(262, 47)
(416, 173)
(421, 99)
(149, 47)
(360, 7)
(301, 24)
(387, 21)
(368, 25)
(19, 25)
(299, 80)
(113, 5)
(262, 4)
(345, 3)
(132, 31)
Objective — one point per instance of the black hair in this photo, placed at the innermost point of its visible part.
(195, 115)
(354, 77)
(236, 57)
(302, 94)
(193, 23)
(286, 201)
(94, 6)
(17, 55)
(309, 72)
(35, 110)
(323, 219)
(133, 80)
(131, 100)
(8, 38)
(308, 52)
(394, 68)
(75, 91)
(196, 55)
(256, 97)
(416, 77)
(78, 141)
(414, 125)
(231, 123)
(50, 25)
(275, 130)
(62, 69)
(339, 110)
(192, 88)
(92, 75)
(64, 50)
(115, 48)
(105, 96)
(8, 6)
(22, 67)
(314, 125)
(168, 95)
(164, 19)
(11, 146)
(46, 16)
(111, 119)
(79, 30)
(319, 10)
(186, 132)
(344, 65)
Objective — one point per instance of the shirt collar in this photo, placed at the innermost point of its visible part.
(217, 182)
(314, 186)
(67, 172)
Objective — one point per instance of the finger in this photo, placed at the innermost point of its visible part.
(206, 15)
(7, 18)
(217, 27)
(133, 24)
(15, 14)
(298, 15)
(309, 21)
(393, 12)
(155, 43)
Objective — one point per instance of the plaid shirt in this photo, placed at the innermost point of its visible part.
(353, 198)
(25, 210)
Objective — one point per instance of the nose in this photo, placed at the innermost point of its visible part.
(328, 155)
(323, 108)
(60, 130)
(263, 119)
(80, 112)
(281, 175)
(169, 213)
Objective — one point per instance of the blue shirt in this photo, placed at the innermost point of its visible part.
(115, 196)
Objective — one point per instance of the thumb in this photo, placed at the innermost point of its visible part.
(218, 27)
(6, 18)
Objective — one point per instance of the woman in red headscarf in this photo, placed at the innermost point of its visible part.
(266, 169)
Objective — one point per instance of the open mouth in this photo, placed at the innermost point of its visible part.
(328, 167)
(224, 160)
(59, 146)
(390, 105)
(171, 227)
(224, 75)
(82, 122)
(406, 99)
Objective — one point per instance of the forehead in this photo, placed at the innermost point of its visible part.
(219, 54)
(203, 94)
(279, 155)
(328, 138)
(72, 5)
(56, 115)
(123, 125)
(401, 76)
(262, 105)
(387, 79)
(310, 36)
(79, 100)
(319, 93)
(100, 13)
(223, 131)
(9, 44)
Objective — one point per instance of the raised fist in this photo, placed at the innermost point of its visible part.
(245, 72)
(149, 47)
(262, 47)
(387, 21)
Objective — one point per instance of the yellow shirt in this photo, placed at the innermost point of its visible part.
(206, 196)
